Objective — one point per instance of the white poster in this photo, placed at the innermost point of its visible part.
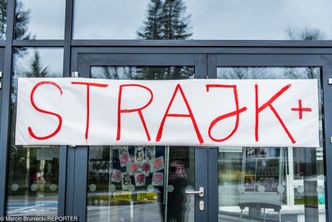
(204, 112)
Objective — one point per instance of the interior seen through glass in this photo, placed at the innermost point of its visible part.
(141, 183)
(272, 183)
(137, 183)
(132, 183)
(33, 172)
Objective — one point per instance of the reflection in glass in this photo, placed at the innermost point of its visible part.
(39, 19)
(143, 73)
(212, 19)
(140, 183)
(22, 19)
(101, 24)
(136, 183)
(275, 183)
(3, 19)
(166, 20)
(268, 73)
(34, 170)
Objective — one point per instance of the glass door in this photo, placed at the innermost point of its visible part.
(140, 183)
(272, 183)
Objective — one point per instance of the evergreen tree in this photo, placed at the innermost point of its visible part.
(118, 72)
(3, 18)
(21, 22)
(152, 26)
(22, 19)
(151, 29)
(174, 21)
(107, 72)
(37, 70)
(166, 21)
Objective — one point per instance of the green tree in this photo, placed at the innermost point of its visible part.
(166, 20)
(3, 18)
(36, 69)
(118, 72)
(151, 28)
(22, 17)
(107, 72)
(174, 21)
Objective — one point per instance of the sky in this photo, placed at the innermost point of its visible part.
(52, 58)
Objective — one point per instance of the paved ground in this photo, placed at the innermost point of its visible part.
(148, 212)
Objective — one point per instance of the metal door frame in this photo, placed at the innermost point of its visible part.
(77, 165)
(3, 149)
(288, 58)
(228, 55)
(250, 53)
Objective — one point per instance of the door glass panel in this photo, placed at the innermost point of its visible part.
(39, 19)
(141, 72)
(275, 183)
(212, 19)
(33, 171)
(141, 183)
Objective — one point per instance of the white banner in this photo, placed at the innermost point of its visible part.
(68, 111)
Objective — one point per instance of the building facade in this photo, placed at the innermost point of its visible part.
(168, 39)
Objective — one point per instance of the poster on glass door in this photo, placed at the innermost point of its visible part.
(200, 112)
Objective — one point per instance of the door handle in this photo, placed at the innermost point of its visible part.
(200, 192)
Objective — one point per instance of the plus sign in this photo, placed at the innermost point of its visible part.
(301, 109)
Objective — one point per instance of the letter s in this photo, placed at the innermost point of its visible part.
(56, 131)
